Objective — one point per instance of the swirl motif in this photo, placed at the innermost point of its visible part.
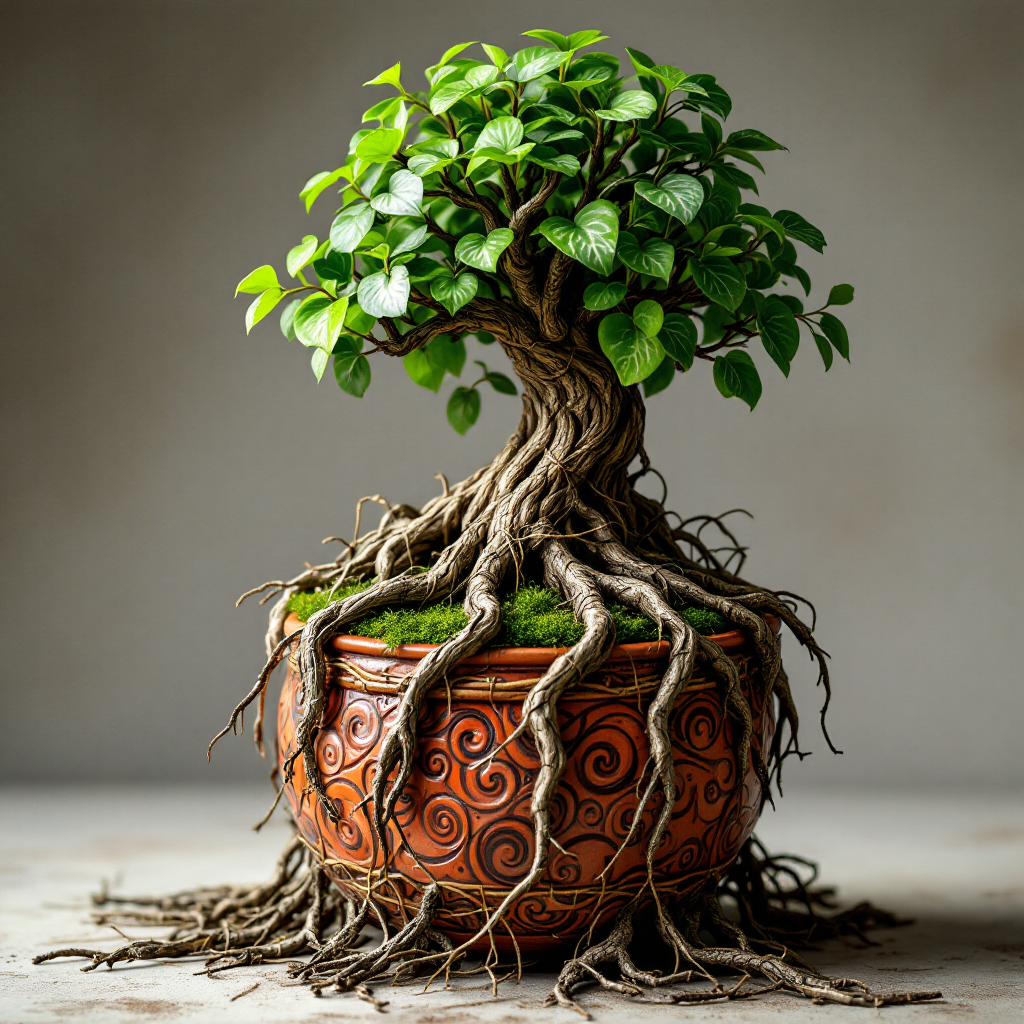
(468, 819)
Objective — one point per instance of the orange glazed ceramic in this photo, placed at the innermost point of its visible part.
(468, 820)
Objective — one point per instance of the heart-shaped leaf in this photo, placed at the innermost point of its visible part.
(780, 333)
(680, 195)
(385, 294)
(301, 254)
(422, 370)
(678, 337)
(504, 133)
(649, 316)
(661, 378)
(655, 257)
(463, 408)
(403, 196)
(720, 280)
(591, 239)
(350, 226)
(262, 306)
(454, 292)
(447, 352)
(482, 253)
(736, 376)
(630, 106)
(352, 372)
(603, 294)
(258, 281)
(634, 354)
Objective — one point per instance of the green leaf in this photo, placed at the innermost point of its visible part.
(585, 37)
(463, 408)
(448, 353)
(261, 307)
(720, 280)
(448, 95)
(390, 77)
(751, 138)
(679, 195)
(406, 237)
(502, 384)
(311, 321)
(504, 133)
(603, 295)
(379, 144)
(590, 70)
(357, 320)
(350, 226)
(495, 54)
(780, 333)
(288, 319)
(649, 316)
(352, 372)
(258, 281)
(556, 39)
(535, 61)
(422, 370)
(824, 349)
(840, 295)
(454, 292)
(403, 196)
(551, 160)
(591, 239)
(383, 110)
(712, 131)
(452, 51)
(678, 336)
(301, 254)
(319, 361)
(335, 266)
(764, 223)
(318, 183)
(736, 376)
(835, 331)
(661, 378)
(482, 253)
(634, 354)
(796, 227)
(634, 105)
(384, 294)
(654, 258)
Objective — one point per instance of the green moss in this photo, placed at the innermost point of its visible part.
(306, 603)
(532, 617)
(396, 626)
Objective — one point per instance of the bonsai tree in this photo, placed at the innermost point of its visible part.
(600, 225)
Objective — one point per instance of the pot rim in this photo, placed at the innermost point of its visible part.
(521, 656)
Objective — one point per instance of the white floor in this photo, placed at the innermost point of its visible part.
(956, 864)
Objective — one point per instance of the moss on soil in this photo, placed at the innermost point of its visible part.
(531, 617)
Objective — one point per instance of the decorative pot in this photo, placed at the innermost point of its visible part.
(467, 819)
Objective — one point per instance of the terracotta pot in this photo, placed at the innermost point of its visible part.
(469, 822)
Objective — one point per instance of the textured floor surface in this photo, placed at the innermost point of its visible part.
(954, 863)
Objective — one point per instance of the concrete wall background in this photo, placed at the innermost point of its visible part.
(156, 462)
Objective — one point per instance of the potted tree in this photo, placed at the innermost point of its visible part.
(595, 226)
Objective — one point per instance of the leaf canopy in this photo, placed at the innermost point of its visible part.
(541, 181)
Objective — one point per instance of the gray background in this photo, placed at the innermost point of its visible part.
(156, 462)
